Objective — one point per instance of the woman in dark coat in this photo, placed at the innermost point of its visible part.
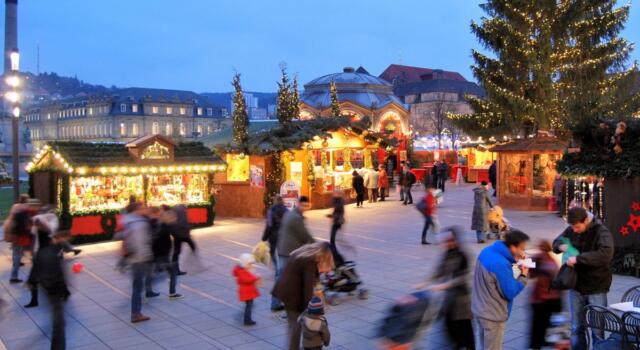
(357, 183)
(296, 285)
(544, 300)
(480, 220)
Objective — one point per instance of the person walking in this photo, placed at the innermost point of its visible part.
(357, 183)
(48, 272)
(296, 284)
(383, 182)
(137, 241)
(44, 226)
(428, 208)
(594, 244)
(401, 175)
(495, 286)
(182, 234)
(544, 299)
(337, 220)
(452, 278)
(479, 219)
(443, 174)
(408, 181)
(493, 177)
(162, 242)
(315, 329)
(247, 281)
(274, 220)
(371, 181)
(434, 174)
(17, 231)
(558, 194)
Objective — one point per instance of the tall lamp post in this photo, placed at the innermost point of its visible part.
(13, 101)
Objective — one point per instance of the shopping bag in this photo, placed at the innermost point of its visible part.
(193, 264)
(565, 279)
(261, 254)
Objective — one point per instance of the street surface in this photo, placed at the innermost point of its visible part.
(390, 261)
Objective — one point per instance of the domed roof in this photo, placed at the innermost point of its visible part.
(353, 86)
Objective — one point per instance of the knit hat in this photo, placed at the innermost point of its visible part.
(247, 259)
(316, 306)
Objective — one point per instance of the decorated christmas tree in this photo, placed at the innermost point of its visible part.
(554, 64)
(335, 104)
(295, 99)
(240, 117)
(285, 107)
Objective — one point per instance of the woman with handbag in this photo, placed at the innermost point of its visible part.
(544, 300)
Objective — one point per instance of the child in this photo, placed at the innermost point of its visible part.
(315, 330)
(247, 285)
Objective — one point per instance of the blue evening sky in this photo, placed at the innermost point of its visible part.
(197, 44)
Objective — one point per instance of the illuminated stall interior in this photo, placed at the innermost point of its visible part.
(526, 171)
(87, 182)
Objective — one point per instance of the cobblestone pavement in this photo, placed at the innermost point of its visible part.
(390, 261)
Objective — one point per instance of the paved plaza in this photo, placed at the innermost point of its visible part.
(390, 260)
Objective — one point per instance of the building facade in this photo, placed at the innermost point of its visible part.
(431, 95)
(359, 95)
(124, 115)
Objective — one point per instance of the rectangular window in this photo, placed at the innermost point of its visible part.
(90, 110)
(123, 108)
(169, 110)
(209, 111)
(209, 129)
(199, 129)
(123, 129)
(168, 129)
(183, 111)
(199, 111)
(155, 109)
(155, 128)
(134, 129)
(134, 108)
(183, 129)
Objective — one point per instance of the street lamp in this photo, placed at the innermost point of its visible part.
(13, 98)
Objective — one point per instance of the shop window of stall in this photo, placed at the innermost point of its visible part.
(543, 174)
(102, 193)
(515, 173)
(177, 189)
(357, 159)
(338, 159)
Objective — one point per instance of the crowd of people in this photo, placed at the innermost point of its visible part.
(476, 301)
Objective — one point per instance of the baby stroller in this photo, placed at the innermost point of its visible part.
(559, 334)
(344, 279)
(498, 224)
(407, 318)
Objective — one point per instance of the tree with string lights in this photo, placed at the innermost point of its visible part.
(285, 108)
(295, 98)
(335, 103)
(555, 64)
(240, 116)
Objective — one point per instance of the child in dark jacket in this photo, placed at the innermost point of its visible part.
(315, 329)
(247, 285)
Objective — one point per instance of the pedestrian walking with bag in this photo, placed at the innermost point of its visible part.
(545, 300)
(593, 244)
(427, 206)
(480, 219)
(357, 183)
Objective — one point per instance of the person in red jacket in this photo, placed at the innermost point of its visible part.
(428, 209)
(247, 285)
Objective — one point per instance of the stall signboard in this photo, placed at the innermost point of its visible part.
(256, 177)
(237, 167)
(290, 192)
(296, 172)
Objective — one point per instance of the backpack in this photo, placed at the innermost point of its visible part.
(8, 228)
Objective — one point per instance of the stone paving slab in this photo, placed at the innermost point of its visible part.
(390, 260)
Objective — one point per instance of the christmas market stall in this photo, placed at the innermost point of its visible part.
(308, 157)
(526, 172)
(91, 183)
(602, 173)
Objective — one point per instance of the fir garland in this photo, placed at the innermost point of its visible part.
(324, 162)
(367, 159)
(275, 178)
(346, 155)
(311, 172)
(335, 103)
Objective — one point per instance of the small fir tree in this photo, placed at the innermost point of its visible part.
(284, 107)
(240, 116)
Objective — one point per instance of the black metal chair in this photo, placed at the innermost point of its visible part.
(631, 321)
(632, 295)
(598, 322)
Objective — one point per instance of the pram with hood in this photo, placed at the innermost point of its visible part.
(498, 224)
(406, 320)
(344, 279)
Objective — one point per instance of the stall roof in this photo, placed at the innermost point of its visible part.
(538, 143)
(96, 154)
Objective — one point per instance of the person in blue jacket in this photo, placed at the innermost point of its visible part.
(497, 280)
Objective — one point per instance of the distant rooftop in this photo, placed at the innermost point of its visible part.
(399, 74)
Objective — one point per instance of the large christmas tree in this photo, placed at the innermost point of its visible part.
(240, 116)
(554, 64)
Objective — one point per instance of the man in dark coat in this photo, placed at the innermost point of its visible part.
(493, 177)
(408, 181)
(443, 174)
(357, 183)
(434, 175)
(592, 266)
(48, 272)
(401, 175)
(275, 214)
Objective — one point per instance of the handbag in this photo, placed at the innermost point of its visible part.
(565, 279)
(421, 206)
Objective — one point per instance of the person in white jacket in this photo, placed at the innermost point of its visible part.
(371, 182)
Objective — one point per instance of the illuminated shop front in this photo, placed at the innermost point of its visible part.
(91, 183)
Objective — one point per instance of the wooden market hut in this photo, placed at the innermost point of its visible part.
(526, 171)
(602, 174)
(313, 157)
(91, 183)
